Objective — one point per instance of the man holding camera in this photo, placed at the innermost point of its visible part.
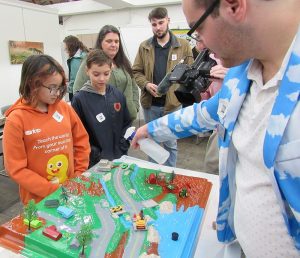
(155, 58)
(257, 112)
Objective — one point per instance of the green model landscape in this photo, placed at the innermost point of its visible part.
(85, 207)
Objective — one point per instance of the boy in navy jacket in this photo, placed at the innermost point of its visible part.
(102, 110)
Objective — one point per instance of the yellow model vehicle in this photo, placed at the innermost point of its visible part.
(140, 224)
(116, 209)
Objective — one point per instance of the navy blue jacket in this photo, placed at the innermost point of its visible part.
(106, 118)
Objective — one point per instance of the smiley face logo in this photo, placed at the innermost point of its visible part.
(57, 168)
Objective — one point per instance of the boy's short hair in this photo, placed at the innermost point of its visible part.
(97, 56)
(158, 13)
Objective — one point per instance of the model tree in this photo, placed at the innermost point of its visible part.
(64, 194)
(84, 237)
(169, 181)
(30, 212)
(183, 193)
(172, 176)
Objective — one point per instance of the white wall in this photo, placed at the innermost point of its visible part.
(22, 21)
(133, 24)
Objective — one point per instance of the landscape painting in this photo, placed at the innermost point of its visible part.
(20, 50)
(182, 33)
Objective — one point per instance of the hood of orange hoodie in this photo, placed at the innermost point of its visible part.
(20, 104)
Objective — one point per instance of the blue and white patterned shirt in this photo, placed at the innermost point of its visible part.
(281, 147)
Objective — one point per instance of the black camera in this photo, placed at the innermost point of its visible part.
(193, 79)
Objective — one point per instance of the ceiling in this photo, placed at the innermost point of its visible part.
(72, 7)
(47, 2)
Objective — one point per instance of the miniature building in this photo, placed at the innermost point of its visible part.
(65, 212)
(35, 223)
(104, 165)
(54, 203)
(74, 244)
(52, 233)
(152, 179)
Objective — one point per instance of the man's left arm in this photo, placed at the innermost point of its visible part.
(200, 117)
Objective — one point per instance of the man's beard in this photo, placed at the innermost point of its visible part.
(163, 34)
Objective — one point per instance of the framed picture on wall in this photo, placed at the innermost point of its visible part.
(182, 33)
(20, 50)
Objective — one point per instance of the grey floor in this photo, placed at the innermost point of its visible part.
(190, 156)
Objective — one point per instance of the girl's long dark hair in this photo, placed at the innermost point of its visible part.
(73, 44)
(120, 59)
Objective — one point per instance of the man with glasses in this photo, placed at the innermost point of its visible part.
(155, 58)
(199, 46)
(257, 113)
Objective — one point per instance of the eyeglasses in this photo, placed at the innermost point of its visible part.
(53, 90)
(208, 11)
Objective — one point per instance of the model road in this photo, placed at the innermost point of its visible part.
(98, 245)
(136, 238)
(59, 222)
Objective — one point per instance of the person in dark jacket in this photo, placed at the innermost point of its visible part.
(103, 111)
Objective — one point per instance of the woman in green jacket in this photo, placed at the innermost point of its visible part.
(109, 41)
(76, 52)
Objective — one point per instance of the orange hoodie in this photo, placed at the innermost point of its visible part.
(42, 150)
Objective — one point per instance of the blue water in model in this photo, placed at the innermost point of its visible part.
(186, 224)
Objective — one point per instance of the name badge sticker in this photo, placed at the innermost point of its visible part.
(100, 117)
(222, 108)
(58, 117)
(174, 57)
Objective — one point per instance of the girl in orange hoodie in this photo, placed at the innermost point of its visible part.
(44, 141)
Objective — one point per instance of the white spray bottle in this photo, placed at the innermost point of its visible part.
(149, 147)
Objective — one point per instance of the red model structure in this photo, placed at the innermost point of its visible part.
(52, 233)
(152, 179)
